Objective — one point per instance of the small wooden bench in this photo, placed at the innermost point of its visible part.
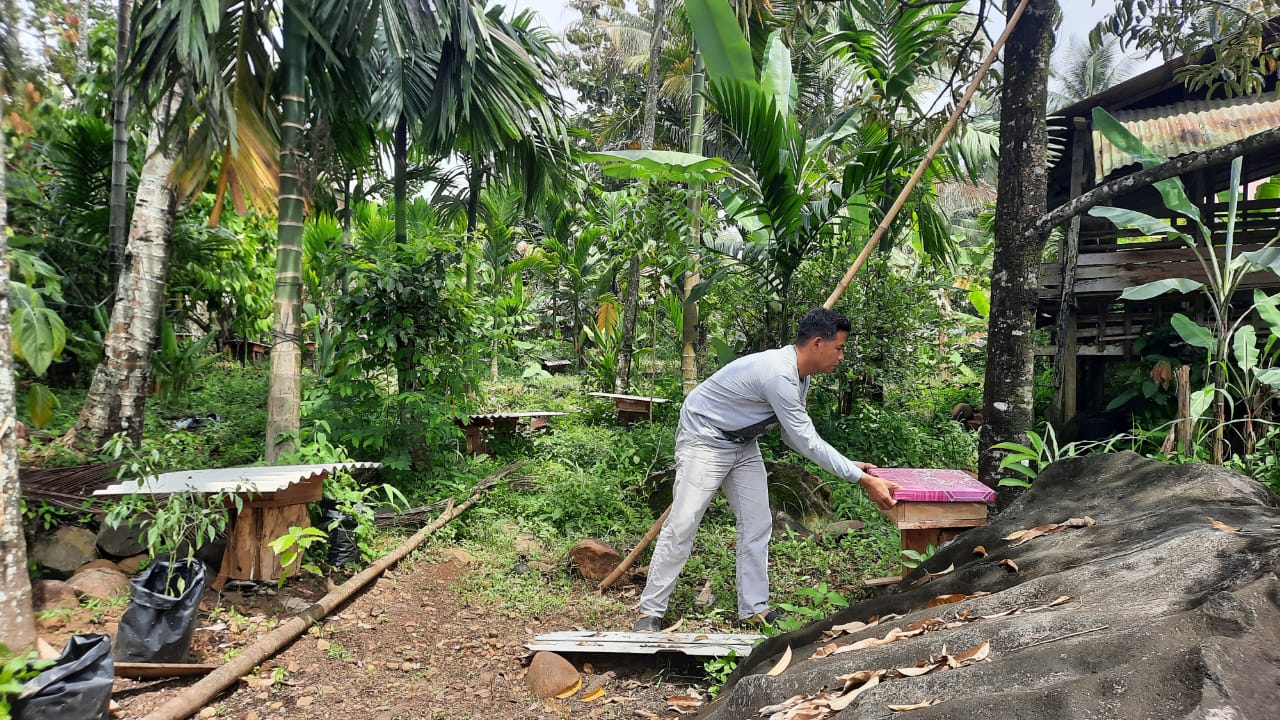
(935, 505)
(482, 428)
(555, 367)
(275, 498)
(631, 408)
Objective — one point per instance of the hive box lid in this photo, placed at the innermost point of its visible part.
(936, 485)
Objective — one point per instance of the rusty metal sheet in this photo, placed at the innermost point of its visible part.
(640, 643)
(1186, 127)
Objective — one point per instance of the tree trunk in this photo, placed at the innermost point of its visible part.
(119, 210)
(17, 625)
(630, 305)
(117, 398)
(689, 329)
(1007, 400)
(285, 393)
(631, 293)
(399, 162)
(475, 181)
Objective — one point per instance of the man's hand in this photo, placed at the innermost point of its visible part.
(879, 490)
(866, 467)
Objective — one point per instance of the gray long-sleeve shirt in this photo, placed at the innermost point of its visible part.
(748, 397)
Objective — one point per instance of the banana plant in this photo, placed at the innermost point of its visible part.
(1230, 339)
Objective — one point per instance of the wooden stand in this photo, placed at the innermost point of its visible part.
(555, 367)
(632, 408)
(264, 518)
(922, 524)
(480, 429)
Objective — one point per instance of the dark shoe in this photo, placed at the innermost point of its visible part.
(760, 620)
(648, 623)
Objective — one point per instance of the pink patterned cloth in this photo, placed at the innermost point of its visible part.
(936, 485)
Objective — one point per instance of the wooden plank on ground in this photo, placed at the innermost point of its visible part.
(152, 671)
(638, 643)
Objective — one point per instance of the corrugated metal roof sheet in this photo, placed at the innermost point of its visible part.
(1186, 127)
(264, 479)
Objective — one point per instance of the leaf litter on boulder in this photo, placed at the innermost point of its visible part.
(1222, 526)
(1023, 536)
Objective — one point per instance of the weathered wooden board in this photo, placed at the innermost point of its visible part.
(639, 643)
(150, 671)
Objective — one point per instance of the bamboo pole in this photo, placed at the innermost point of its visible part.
(883, 227)
(195, 697)
(631, 557)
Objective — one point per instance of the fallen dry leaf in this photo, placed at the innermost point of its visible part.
(950, 569)
(782, 706)
(593, 695)
(917, 670)
(1222, 526)
(860, 677)
(1059, 600)
(980, 551)
(646, 715)
(588, 668)
(1009, 565)
(1023, 536)
(847, 699)
(955, 598)
(677, 626)
(782, 664)
(571, 690)
(684, 703)
(916, 706)
(825, 650)
(975, 654)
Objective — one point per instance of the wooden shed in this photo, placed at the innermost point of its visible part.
(1079, 298)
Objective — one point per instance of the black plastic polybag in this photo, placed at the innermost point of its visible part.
(78, 687)
(342, 533)
(157, 625)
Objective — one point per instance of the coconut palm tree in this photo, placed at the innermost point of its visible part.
(1085, 69)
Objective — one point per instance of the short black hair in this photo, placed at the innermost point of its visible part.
(823, 323)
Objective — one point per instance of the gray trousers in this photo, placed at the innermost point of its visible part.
(701, 470)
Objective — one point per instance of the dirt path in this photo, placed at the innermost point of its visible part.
(412, 645)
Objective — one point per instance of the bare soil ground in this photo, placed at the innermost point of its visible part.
(413, 644)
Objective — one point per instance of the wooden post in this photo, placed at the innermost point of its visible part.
(1065, 365)
(1185, 421)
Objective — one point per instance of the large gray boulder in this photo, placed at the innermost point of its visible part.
(1169, 616)
(65, 550)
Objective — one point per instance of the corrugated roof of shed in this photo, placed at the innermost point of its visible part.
(1186, 127)
(260, 479)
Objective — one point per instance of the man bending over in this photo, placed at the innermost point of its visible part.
(717, 449)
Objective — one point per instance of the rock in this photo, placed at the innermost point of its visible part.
(784, 523)
(550, 674)
(1151, 612)
(121, 541)
(594, 559)
(99, 563)
(65, 550)
(835, 530)
(100, 583)
(296, 604)
(458, 555)
(133, 563)
(53, 595)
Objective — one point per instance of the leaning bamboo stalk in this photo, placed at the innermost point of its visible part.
(883, 228)
(630, 559)
(195, 697)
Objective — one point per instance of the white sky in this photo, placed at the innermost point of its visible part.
(1078, 16)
